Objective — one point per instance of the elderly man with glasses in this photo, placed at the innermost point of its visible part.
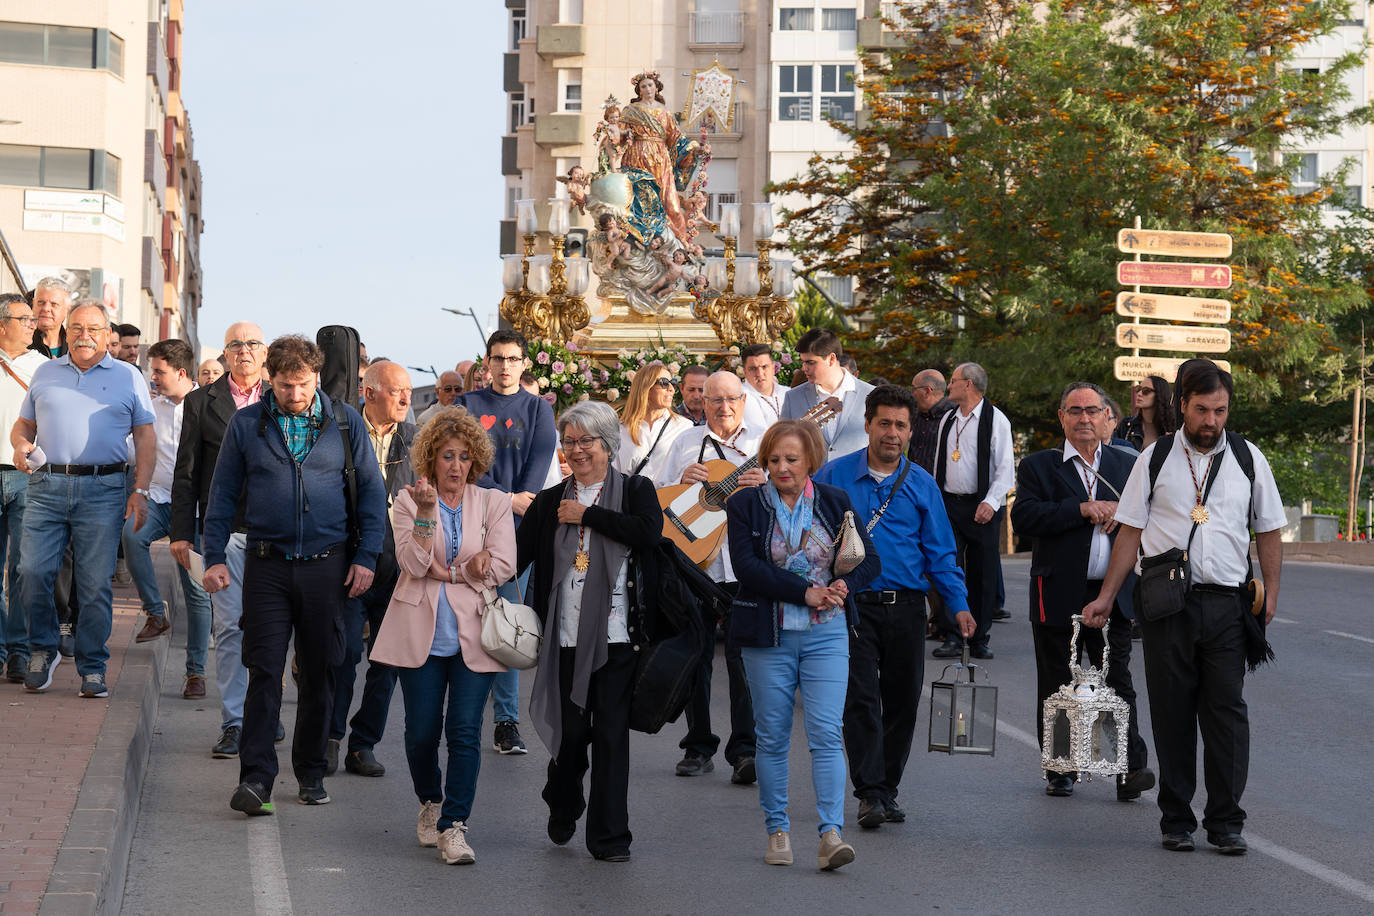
(85, 405)
(447, 389)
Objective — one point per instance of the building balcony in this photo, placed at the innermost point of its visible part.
(509, 148)
(558, 128)
(563, 40)
(508, 237)
(716, 30)
(511, 72)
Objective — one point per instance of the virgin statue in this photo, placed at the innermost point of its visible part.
(658, 160)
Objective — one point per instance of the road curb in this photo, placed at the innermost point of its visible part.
(93, 860)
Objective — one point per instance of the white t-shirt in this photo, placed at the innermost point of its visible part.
(12, 393)
(617, 627)
(737, 449)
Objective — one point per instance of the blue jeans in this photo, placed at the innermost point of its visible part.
(816, 661)
(231, 677)
(139, 558)
(423, 690)
(505, 687)
(88, 512)
(14, 623)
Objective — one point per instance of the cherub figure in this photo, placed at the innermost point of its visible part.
(673, 269)
(699, 287)
(579, 184)
(610, 137)
(617, 245)
(696, 209)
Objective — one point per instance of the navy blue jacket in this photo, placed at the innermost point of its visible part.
(754, 617)
(300, 509)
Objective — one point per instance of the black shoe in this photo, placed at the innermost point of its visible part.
(615, 855)
(871, 813)
(980, 652)
(1228, 844)
(363, 763)
(331, 756)
(694, 765)
(228, 744)
(561, 831)
(1001, 614)
(1060, 785)
(312, 793)
(893, 812)
(507, 739)
(745, 773)
(1129, 787)
(1178, 842)
(281, 733)
(66, 641)
(251, 798)
(950, 648)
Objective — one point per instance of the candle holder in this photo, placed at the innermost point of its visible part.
(544, 299)
(1085, 720)
(752, 306)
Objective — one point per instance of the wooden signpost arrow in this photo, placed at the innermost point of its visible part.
(1173, 308)
(1173, 273)
(1139, 368)
(1187, 244)
(1188, 338)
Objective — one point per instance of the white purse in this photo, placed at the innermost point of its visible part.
(511, 633)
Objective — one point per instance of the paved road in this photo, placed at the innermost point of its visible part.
(981, 835)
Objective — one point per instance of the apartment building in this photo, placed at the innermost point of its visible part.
(795, 63)
(99, 182)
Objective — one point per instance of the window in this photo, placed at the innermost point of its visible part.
(1305, 169)
(61, 46)
(838, 20)
(796, 19)
(840, 289)
(570, 95)
(513, 194)
(517, 111)
(517, 29)
(570, 12)
(1345, 198)
(59, 167)
(714, 201)
(794, 92)
(837, 92)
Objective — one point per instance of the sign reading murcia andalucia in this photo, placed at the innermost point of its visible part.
(1139, 368)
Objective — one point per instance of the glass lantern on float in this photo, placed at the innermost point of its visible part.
(1085, 720)
(752, 300)
(544, 293)
(963, 711)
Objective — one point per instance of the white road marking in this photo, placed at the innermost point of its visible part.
(1302, 863)
(1349, 636)
(1278, 619)
(268, 868)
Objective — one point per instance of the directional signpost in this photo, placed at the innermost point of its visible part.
(1139, 368)
(1173, 308)
(1173, 273)
(1182, 244)
(1173, 337)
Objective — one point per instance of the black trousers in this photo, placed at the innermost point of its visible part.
(604, 726)
(281, 597)
(1195, 672)
(1052, 670)
(380, 681)
(886, 670)
(699, 738)
(975, 547)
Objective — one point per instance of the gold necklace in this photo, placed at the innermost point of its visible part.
(1199, 515)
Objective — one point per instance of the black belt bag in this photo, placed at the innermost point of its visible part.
(1163, 585)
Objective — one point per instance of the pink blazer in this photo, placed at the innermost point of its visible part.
(407, 630)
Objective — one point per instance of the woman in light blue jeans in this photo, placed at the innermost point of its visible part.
(791, 619)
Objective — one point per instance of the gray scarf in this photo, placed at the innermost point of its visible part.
(608, 556)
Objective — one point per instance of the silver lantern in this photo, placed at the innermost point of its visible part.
(963, 711)
(1085, 721)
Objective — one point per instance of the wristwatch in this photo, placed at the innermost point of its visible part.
(146, 494)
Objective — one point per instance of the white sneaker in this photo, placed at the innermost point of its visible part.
(779, 848)
(428, 827)
(453, 846)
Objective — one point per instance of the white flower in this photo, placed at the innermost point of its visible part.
(613, 393)
(582, 397)
(674, 367)
(543, 381)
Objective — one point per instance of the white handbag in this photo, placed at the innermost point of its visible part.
(511, 633)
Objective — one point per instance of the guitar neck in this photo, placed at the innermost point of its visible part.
(820, 414)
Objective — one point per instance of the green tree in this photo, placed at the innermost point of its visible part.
(1006, 142)
(813, 311)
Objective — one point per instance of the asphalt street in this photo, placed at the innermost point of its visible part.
(981, 835)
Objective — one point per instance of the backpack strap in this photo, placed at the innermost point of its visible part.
(350, 475)
(1163, 445)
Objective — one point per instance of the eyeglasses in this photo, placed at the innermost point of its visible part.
(77, 330)
(26, 319)
(450, 389)
(505, 359)
(1090, 412)
(663, 383)
(716, 402)
(250, 345)
(394, 392)
(585, 443)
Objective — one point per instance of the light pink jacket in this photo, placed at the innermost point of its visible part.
(407, 630)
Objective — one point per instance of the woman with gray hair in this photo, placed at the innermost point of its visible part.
(589, 539)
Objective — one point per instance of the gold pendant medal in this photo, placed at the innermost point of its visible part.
(956, 456)
(1199, 514)
(582, 561)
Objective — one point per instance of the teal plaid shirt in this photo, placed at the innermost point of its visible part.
(300, 430)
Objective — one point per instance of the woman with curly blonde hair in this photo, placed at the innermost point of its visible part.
(453, 540)
(648, 424)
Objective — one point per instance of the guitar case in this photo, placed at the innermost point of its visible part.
(342, 362)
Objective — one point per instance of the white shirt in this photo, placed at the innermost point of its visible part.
(428, 413)
(763, 410)
(629, 455)
(739, 448)
(962, 476)
(845, 386)
(12, 393)
(1100, 549)
(1222, 545)
(617, 626)
(167, 429)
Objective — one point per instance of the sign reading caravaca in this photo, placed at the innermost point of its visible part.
(1185, 244)
(1173, 273)
(1173, 308)
(1188, 338)
(1139, 368)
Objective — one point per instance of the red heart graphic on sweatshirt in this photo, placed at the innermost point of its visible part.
(488, 421)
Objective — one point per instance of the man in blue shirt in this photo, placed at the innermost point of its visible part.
(83, 406)
(905, 513)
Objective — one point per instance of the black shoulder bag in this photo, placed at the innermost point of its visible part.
(1166, 577)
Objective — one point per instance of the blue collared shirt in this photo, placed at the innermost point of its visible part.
(86, 417)
(914, 537)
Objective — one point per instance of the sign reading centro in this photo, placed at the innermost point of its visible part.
(1173, 273)
(1173, 308)
(1138, 368)
(1187, 244)
(1188, 338)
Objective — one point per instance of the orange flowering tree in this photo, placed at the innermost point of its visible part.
(1005, 144)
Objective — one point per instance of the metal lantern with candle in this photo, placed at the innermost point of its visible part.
(963, 711)
(751, 305)
(544, 292)
(1085, 720)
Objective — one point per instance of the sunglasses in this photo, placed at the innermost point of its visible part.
(451, 389)
(664, 383)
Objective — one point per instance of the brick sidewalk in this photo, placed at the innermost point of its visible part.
(49, 740)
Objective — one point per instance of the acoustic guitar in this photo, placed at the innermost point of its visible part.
(694, 513)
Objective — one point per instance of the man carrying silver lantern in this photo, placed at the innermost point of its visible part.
(1190, 514)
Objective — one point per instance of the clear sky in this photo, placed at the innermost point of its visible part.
(352, 168)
